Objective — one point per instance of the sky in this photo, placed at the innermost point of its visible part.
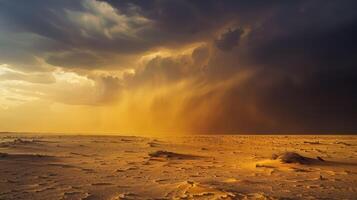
(178, 66)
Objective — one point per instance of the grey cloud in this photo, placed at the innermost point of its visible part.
(66, 27)
(109, 89)
(230, 39)
(76, 60)
(160, 70)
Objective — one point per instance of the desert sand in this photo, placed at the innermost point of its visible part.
(185, 167)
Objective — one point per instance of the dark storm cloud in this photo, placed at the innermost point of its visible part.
(199, 15)
(302, 54)
(162, 70)
(76, 59)
(228, 40)
(310, 52)
(303, 57)
(86, 25)
(313, 35)
(73, 27)
(325, 102)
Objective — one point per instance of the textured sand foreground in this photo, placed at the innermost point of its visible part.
(190, 167)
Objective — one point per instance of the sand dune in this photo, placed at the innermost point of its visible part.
(189, 167)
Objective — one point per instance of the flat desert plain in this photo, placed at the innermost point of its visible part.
(185, 167)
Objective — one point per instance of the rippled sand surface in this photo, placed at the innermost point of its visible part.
(187, 167)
